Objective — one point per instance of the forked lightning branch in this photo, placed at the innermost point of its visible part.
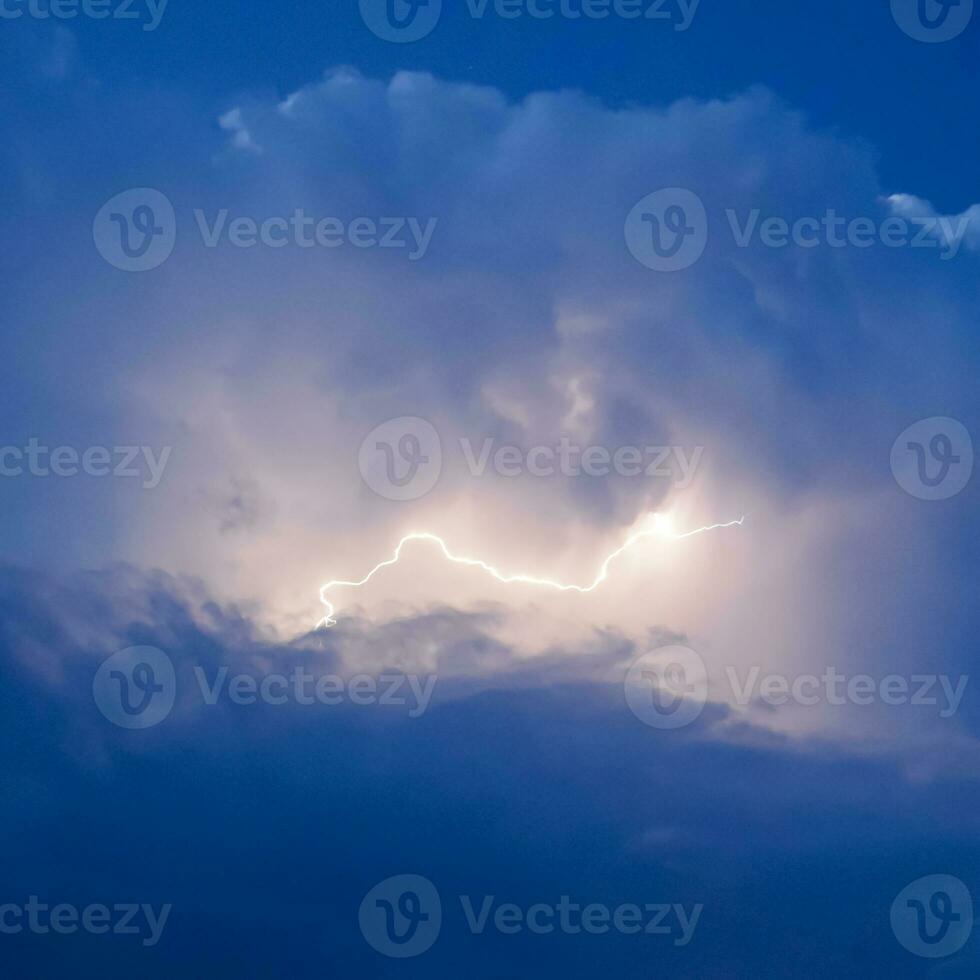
(658, 525)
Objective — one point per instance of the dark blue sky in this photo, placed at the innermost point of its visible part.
(844, 64)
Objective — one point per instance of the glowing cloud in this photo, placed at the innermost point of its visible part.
(661, 527)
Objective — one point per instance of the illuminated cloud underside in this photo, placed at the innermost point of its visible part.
(661, 527)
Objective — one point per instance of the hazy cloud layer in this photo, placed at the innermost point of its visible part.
(526, 320)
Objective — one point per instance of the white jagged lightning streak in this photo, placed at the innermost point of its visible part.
(601, 575)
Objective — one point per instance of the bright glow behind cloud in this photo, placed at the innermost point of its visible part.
(526, 321)
(653, 526)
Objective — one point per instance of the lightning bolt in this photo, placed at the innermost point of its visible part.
(660, 528)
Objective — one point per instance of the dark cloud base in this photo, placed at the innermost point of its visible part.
(265, 826)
